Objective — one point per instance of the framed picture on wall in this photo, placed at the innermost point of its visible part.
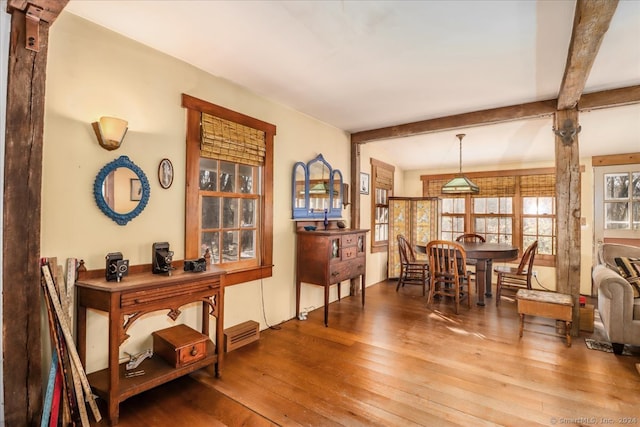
(364, 183)
(136, 190)
(165, 173)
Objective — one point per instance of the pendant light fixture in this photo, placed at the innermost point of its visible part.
(460, 184)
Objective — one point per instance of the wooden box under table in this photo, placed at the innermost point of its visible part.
(180, 345)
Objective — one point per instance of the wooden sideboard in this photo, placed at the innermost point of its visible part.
(125, 302)
(329, 257)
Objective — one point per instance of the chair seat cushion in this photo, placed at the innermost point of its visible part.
(636, 309)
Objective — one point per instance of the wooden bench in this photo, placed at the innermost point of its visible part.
(545, 304)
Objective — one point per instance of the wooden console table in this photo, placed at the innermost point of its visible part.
(126, 301)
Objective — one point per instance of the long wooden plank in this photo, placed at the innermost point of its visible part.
(64, 326)
(590, 23)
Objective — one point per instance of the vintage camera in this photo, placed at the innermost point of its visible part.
(195, 265)
(116, 267)
(161, 258)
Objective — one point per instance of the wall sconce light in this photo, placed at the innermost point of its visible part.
(110, 132)
(345, 195)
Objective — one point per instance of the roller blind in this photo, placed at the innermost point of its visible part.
(225, 140)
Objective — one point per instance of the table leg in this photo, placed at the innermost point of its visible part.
(326, 305)
(481, 278)
(521, 324)
(297, 299)
(488, 278)
(568, 332)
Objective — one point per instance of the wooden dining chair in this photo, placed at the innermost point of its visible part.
(514, 278)
(471, 238)
(449, 278)
(413, 271)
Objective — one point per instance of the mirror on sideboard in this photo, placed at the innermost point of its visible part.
(316, 187)
(121, 190)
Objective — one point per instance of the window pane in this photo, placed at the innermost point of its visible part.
(458, 205)
(616, 186)
(492, 225)
(635, 179)
(527, 241)
(459, 225)
(247, 244)
(545, 226)
(545, 206)
(506, 226)
(248, 213)
(530, 205)
(616, 215)
(636, 216)
(210, 241)
(545, 245)
(492, 205)
(530, 226)
(506, 205)
(210, 212)
(230, 213)
(479, 205)
(479, 226)
(227, 177)
(208, 174)
(246, 179)
(229, 246)
(506, 238)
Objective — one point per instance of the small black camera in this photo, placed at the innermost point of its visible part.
(195, 265)
(161, 258)
(116, 267)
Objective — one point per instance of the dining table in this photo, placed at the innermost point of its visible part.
(484, 254)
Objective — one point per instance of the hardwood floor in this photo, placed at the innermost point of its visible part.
(399, 362)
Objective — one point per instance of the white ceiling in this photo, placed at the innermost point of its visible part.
(362, 65)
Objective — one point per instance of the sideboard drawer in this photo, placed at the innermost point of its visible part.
(349, 240)
(346, 270)
(349, 253)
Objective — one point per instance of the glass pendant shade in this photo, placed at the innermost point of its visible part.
(460, 184)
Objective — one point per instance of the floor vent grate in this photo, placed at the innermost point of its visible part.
(241, 335)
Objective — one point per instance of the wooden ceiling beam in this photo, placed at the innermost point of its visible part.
(588, 101)
(609, 98)
(483, 117)
(590, 23)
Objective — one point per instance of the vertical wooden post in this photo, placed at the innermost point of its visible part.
(21, 222)
(355, 204)
(568, 200)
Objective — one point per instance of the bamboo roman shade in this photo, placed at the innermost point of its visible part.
(497, 186)
(226, 140)
(383, 178)
(538, 185)
(503, 186)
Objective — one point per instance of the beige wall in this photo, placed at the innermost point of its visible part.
(94, 72)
